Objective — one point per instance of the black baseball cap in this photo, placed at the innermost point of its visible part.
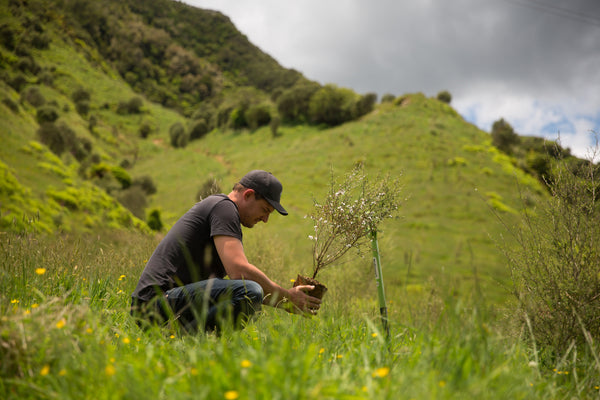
(265, 184)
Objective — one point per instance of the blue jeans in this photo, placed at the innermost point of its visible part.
(214, 303)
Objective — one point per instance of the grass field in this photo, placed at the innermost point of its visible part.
(65, 333)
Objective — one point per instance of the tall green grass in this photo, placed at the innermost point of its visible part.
(65, 333)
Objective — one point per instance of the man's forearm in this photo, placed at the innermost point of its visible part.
(274, 293)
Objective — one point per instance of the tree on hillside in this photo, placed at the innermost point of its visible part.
(293, 104)
(444, 96)
(388, 98)
(331, 105)
(364, 105)
(178, 136)
(504, 136)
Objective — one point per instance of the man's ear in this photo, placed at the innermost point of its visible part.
(247, 193)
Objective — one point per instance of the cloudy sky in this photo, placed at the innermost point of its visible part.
(535, 63)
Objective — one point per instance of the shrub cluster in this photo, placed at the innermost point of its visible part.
(134, 199)
(33, 96)
(555, 265)
(444, 96)
(60, 138)
(244, 108)
(145, 129)
(14, 107)
(132, 193)
(532, 154)
(257, 115)
(504, 136)
(329, 105)
(293, 104)
(81, 97)
(146, 183)
(131, 106)
(46, 114)
(178, 136)
(154, 221)
(199, 129)
(388, 98)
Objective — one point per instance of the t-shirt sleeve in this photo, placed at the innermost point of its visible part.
(225, 220)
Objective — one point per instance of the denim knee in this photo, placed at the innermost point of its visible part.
(254, 292)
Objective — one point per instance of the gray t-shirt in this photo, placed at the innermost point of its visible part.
(187, 253)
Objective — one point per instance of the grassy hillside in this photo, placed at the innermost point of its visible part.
(86, 152)
(111, 140)
(453, 180)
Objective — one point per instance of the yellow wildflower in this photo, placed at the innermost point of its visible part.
(110, 370)
(14, 301)
(40, 271)
(381, 372)
(231, 394)
(62, 372)
(126, 340)
(122, 277)
(246, 364)
(61, 324)
(374, 334)
(35, 305)
(45, 370)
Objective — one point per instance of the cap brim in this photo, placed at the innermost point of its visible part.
(277, 206)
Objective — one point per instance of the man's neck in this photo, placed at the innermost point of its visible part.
(235, 197)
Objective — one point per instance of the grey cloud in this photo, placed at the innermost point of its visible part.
(537, 51)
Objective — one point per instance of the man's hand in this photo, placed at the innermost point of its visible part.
(302, 303)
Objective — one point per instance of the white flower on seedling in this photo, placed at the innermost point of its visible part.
(351, 211)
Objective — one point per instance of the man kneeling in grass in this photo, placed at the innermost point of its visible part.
(184, 277)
